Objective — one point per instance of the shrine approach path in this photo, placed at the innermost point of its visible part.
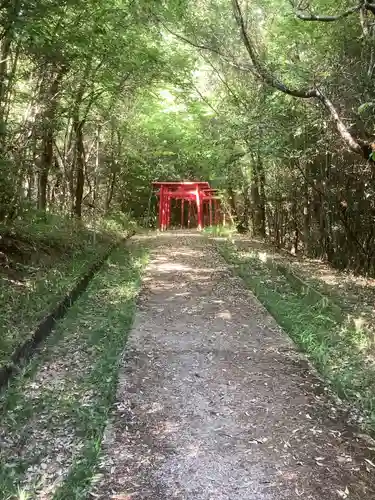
(214, 402)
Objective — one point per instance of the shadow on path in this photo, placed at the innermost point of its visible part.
(215, 403)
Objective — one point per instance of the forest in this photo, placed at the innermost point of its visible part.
(271, 101)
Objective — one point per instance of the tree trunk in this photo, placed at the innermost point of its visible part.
(7, 36)
(232, 202)
(258, 198)
(46, 164)
(96, 170)
(306, 212)
(110, 192)
(80, 168)
(262, 200)
(79, 150)
(48, 119)
(295, 225)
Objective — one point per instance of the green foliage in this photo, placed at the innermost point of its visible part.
(118, 223)
(220, 231)
(46, 254)
(334, 346)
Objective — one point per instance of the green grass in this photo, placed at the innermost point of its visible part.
(61, 403)
(47, 255)
(219, 230)
(338, 349)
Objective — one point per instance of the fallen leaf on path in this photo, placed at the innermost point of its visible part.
(125, 496)
(343, 494)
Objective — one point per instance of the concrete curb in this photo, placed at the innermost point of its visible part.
(26, 350)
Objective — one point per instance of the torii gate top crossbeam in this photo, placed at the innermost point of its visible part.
(201, 184)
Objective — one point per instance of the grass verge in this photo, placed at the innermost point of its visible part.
(43, 257)
(53, 415)
(339, 350)
(219, 230)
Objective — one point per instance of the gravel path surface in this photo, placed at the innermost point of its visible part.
(215, 403)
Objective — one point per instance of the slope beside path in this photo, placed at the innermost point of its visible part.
(213, 400)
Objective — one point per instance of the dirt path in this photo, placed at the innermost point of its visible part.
(214, 402)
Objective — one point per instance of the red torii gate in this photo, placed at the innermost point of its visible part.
(197, 192)
(214, 208)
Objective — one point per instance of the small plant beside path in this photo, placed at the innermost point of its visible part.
(341, 349)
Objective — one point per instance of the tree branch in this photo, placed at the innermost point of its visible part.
(343, 130)
(363, 5)
(356, 145)
(261, 71)
(205, 100)
(328, 19)
(237, 99)
(208, 49)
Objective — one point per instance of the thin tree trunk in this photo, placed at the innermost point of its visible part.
(262, 201)
(49, 124)
(258, 198)
(306, 212)
(110, 192)
(295, 226)
(95, 193)
(80, 168)
(7, 37)
(79, 150)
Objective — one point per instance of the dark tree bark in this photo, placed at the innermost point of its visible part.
(306, 211)
(258, 197)
(363, 5)
(80, 167)
(110, 192)
(50, 96)
(79, 150)
(11, 14)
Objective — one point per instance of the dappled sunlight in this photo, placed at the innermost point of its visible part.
(63, 400)
(218, 301)
(182, 233)
(359, 323)
(155, 408)
(224, 315)
(356, 334)
(23, 495)
(213, 397)
(170, 427)
(218, 238)
(329, 313)
(188, 253)
(193, 450)
(117, 294)
(160, 259)
(263, 257)
(182, 294)
(171, 267)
